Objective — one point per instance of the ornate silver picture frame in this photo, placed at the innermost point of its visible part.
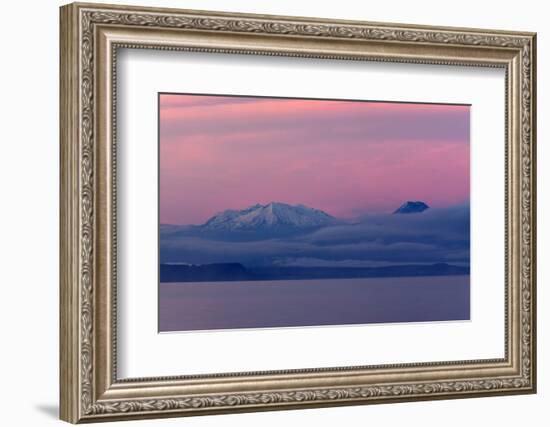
(91, 36)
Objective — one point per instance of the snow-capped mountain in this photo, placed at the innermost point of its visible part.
(411, 207)
(274, 215)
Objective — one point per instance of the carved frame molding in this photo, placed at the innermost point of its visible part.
(90, 390)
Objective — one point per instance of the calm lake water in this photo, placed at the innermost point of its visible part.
(232, 305)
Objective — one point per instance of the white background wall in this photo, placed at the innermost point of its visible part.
(29, 170)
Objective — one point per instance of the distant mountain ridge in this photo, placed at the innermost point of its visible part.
(272, 216)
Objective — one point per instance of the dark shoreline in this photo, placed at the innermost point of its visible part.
(232, 272)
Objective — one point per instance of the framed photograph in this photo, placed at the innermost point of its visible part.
(266, 212)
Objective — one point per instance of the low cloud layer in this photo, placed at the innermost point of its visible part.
(437, 235)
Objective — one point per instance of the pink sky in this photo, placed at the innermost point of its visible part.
(344, 157)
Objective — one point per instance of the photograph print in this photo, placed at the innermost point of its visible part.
(292, 212)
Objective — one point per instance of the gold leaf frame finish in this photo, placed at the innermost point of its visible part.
(90, 37)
